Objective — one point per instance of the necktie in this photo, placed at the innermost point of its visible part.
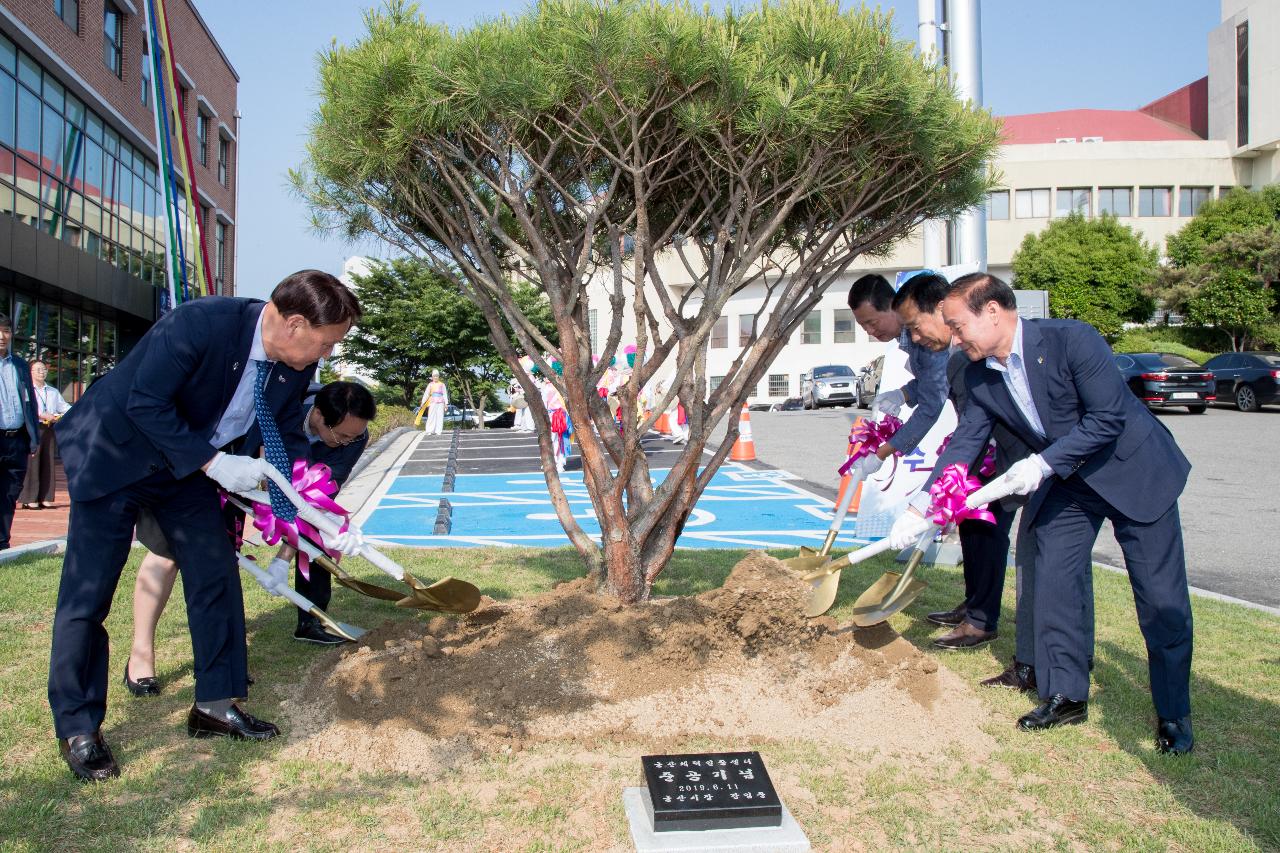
(273, 444)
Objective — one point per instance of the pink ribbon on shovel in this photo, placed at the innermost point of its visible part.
(947, 495)
(316, 485)
(867, 437)
(988, 466)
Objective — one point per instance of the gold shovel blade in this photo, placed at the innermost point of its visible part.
(806, 553)
(879, 602)
(806, 563)
(448, 595)
(825, 587)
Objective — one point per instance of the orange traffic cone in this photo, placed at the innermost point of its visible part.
(744, 449)
(662, 425)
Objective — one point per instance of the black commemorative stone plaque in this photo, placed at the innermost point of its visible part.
(710, 790)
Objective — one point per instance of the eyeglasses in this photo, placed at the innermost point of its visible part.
(339, 438)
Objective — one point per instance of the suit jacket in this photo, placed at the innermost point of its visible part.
(27, 394)
(159, 408)
(1094, 425)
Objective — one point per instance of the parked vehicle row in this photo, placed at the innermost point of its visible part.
(1247, 380)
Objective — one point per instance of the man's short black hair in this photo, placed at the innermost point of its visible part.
(319, 297)
(926, 290)
(338, 399)
(873, 288)
(979, 288)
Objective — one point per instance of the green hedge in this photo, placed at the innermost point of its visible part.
(1161, 339)
(389, 418)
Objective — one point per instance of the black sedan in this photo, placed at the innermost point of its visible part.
(1248, 379)
(1164, 379)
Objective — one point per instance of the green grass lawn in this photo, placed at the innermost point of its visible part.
(1096, 786)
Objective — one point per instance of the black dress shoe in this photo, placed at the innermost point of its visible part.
(143, 686)
(1173, 737)
(1058, 711)
(89, 757)
(1018, 676)
(965, 636)
(236, 724)
(948, 617)
(314, 632)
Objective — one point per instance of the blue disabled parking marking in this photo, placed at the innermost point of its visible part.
(741, 508)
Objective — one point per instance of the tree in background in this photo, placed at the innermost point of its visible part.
(768, 147)
(1094, 270)
(415, 320)
(1224, 265)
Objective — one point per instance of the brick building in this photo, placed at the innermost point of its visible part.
(82, 241)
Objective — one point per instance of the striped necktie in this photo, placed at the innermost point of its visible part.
(273, 444)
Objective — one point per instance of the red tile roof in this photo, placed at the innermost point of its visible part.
(1111, 125)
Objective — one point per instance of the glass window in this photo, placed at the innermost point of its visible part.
(998, 205)
(202, 138)
(720, 335)
(745, 322)
(1242, 84)
(24, 317)
(8, 110)
(54, 94)
(28, 124)
(69, 12)
(1190, 199)
(1115, 200)
(715, 382)
(224, 160)
(811, 331)
(1073, 200)
(779, 384)
(69, 334)
(29, 72)
(845, 333)
(1031, 204)
(145, 76)
(8, 55)
(112, 32)
(1153, 201)
(47, 325)
(52, 148)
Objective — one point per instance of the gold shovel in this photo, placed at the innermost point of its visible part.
(333, 626)
(826, 579)
(808, 559)
(894, 591)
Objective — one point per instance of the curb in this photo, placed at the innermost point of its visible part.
(1205, 593)
(44, 547)
(375, 450)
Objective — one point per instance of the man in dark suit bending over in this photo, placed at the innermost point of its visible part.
(1096, 453)
(162, 430)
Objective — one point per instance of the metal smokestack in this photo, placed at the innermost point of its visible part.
(933, 232)
(965, 42)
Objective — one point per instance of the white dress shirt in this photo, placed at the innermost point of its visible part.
(1014, 374)
(240, 413)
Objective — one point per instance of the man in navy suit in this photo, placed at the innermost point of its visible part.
(1096, 453)
(19, 436)
(160, 431)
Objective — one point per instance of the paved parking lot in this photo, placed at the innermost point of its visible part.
(1230, 509)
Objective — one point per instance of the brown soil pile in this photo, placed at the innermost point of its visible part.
(736, 662)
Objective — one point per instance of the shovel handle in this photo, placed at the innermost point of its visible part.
(993, 491)
(285, 591)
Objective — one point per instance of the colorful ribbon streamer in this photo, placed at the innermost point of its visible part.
(947, 495)
(316, 485)
(988, 466)
(869, 436)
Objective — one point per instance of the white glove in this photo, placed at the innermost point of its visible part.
(907, 530)
(1025, 475)
(888, 403)
(866, 466)
(277, 576)
(348, 542)
(237, 473)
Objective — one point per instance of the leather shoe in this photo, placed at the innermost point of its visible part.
(965, 636)
(236, 724)
(89, 757)
(143, 686)
(314, 632)
(1057, 711)
(1017, 676)
(1173, 737)
(948, 617)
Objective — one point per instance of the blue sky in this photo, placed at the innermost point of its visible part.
(1038, 55)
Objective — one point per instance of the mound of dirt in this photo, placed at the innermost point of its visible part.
(740, 661)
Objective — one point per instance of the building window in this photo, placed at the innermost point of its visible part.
(720, 334)
(220, 269)
(593, 314)
(845, 333)
(1154, 201)
(224, 161)
(745, 324)
(112, 37)
(1190, 199)
(145, 76)
(1073, 200)
(715, 381)
(1117, 201)
(1031, 204)
(811, 332)
(1242, 84)
(998, 204)
(202, 137)
(69, 12)
(779, 384)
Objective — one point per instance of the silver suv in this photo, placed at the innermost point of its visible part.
(829, 385)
